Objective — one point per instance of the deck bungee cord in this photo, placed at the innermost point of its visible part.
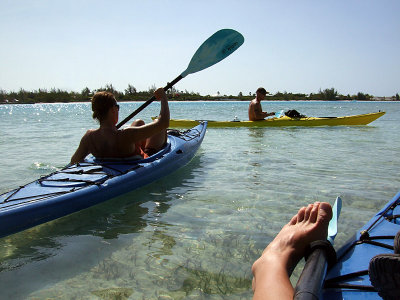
(366, 267)
(338, 282)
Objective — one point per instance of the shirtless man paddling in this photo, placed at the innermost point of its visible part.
(255, 109)
(139, 140)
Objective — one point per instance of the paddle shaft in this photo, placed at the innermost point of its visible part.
(144, 105)
(308, 288)
(309, 285)
(216, 48)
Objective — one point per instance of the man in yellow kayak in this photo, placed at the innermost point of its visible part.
(255, 109)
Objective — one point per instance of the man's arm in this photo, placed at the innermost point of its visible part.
(262, 114)
(256, 113)
(136, 134)
(259, 114)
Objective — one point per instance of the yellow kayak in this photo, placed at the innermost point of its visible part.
(283, 121)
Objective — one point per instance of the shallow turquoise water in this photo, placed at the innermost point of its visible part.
(195, 234)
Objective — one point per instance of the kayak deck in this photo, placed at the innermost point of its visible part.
(92, 181)
(284, 121)
(349, 278)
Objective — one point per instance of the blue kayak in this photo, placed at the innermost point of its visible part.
(92, 181)
(349, 277)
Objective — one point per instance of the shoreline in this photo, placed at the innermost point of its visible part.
(206, 100)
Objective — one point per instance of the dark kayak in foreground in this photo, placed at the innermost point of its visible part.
(93, 181)
(348, 278)
(284, 121)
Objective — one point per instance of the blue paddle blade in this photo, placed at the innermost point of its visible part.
(279, 114)
(217, 47)
(332, 228)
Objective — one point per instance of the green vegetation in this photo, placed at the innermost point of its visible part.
(132, 94)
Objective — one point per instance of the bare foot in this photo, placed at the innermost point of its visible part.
(273, 269)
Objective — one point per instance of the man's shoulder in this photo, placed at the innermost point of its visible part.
(90, 132)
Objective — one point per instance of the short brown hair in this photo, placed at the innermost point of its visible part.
(101, 103)
(262, 91)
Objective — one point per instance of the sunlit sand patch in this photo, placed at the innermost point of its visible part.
(7, 249)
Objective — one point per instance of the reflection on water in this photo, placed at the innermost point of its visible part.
(195, 234)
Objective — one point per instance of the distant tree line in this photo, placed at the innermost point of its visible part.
(58, 95)
(132, 94)
(326, 94)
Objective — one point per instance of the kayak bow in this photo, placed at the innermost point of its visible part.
(349, 277)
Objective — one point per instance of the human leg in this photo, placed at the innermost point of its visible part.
(138, 123)
(154, 143)
(273, 269)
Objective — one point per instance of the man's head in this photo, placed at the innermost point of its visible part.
(101, 104)
(262, 91)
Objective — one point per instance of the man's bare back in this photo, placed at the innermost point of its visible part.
(107, 142)
(255, 111)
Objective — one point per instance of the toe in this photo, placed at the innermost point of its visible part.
(314, 212)
(308, 212)
(301, 214)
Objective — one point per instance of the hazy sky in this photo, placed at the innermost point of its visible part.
(294, 46)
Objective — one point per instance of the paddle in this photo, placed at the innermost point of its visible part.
(216, 48)
(310, 283)
(279, 114)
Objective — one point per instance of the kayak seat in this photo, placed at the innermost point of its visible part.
(385, 282)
